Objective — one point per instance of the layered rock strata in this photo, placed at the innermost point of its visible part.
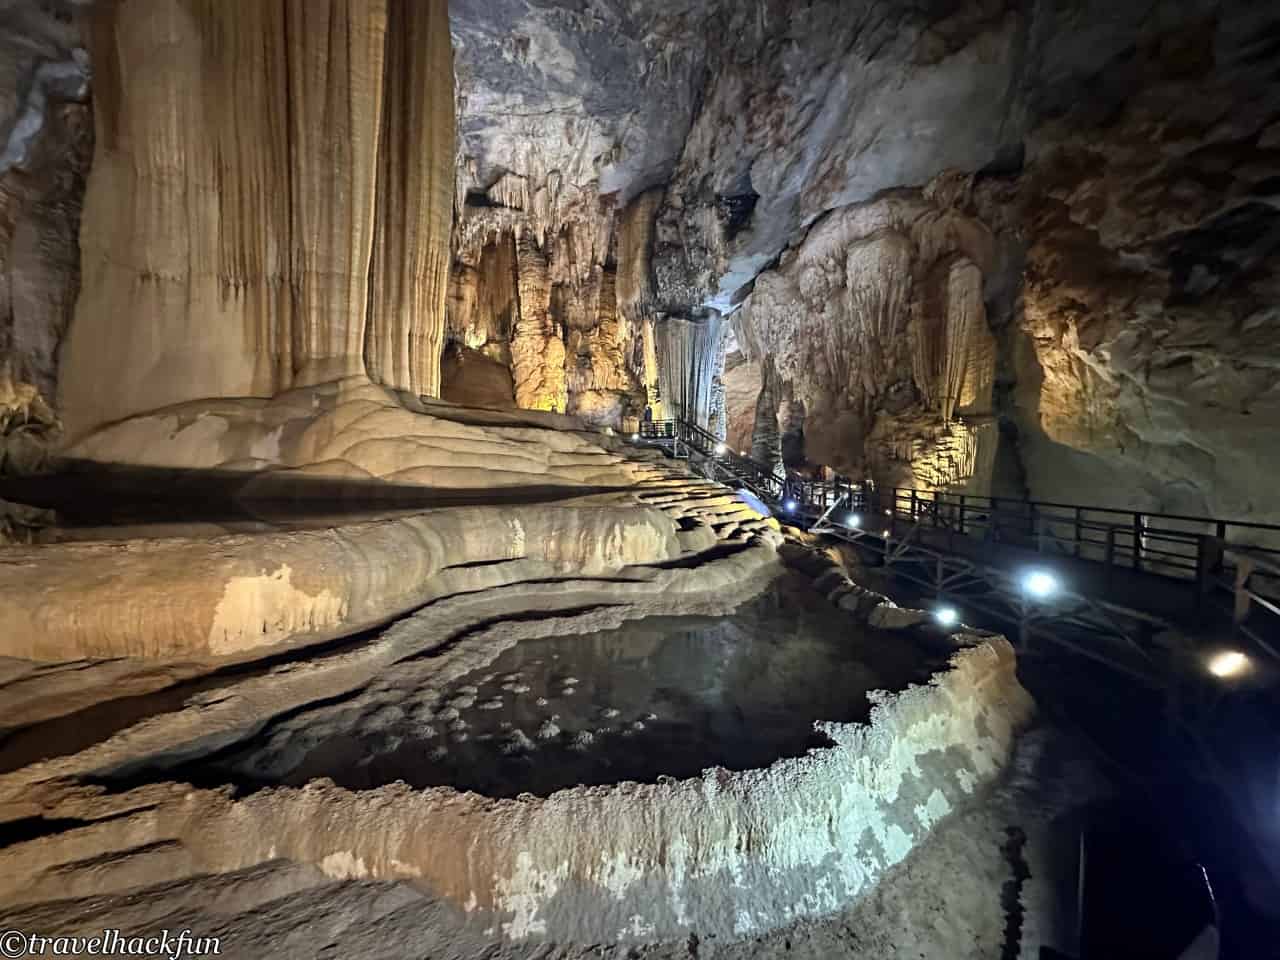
(502, 866)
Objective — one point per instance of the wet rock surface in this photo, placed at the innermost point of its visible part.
(660, 698)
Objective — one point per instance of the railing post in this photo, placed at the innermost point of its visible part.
(1078, 532)
(915, 505)
(1111, 544)
(962, 508)
(1209, 552)
(1137, 541)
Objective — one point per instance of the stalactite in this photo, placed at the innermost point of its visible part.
(766, 438)
(686, 354)
(976, 393)
(946, 333)
(964, 313)
(635, 286)
(484, 302)
(411, 255)
(930, 455)
(878, 284)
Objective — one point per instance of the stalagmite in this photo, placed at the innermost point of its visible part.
(766, 437)
(635, 291)
(537, 345)
(482, 311)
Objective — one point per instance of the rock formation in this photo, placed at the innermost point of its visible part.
(1144, 347)
(877, 323)
(256, 167)
(1121, 164)
(370, 287)
(47, 139)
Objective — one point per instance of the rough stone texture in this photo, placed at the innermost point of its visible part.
(918, 908)
(221, 596)
(809, 109)
(638, 862)
(45, 146)
(876, 323)
(1145, 353)
(575, 102)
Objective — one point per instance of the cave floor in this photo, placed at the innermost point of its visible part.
(991, 882)
(988, 881)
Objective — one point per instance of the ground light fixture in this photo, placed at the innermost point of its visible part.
(1040, 584)
(635, 437)
(721, 449)
(854, 521)
(1228, 664)
(946, 616)
(790, 506)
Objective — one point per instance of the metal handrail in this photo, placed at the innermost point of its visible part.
(1108, 535)
(810, 496)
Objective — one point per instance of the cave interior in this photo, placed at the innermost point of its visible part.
(662, 478)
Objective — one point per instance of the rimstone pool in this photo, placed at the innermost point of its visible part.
(662, 697)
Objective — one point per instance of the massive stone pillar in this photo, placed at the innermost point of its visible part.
(229, 229)
(415, 200)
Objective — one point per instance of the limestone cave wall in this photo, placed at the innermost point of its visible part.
(1144, 353)
(46, 141)
(877, 322)
(1010, 246)
(543, 308)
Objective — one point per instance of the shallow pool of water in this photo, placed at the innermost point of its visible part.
(665, 696)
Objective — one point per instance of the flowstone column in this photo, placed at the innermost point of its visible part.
(766, 437)
(686, 352)
(269, 199)
(537, 345)
(410, 270)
